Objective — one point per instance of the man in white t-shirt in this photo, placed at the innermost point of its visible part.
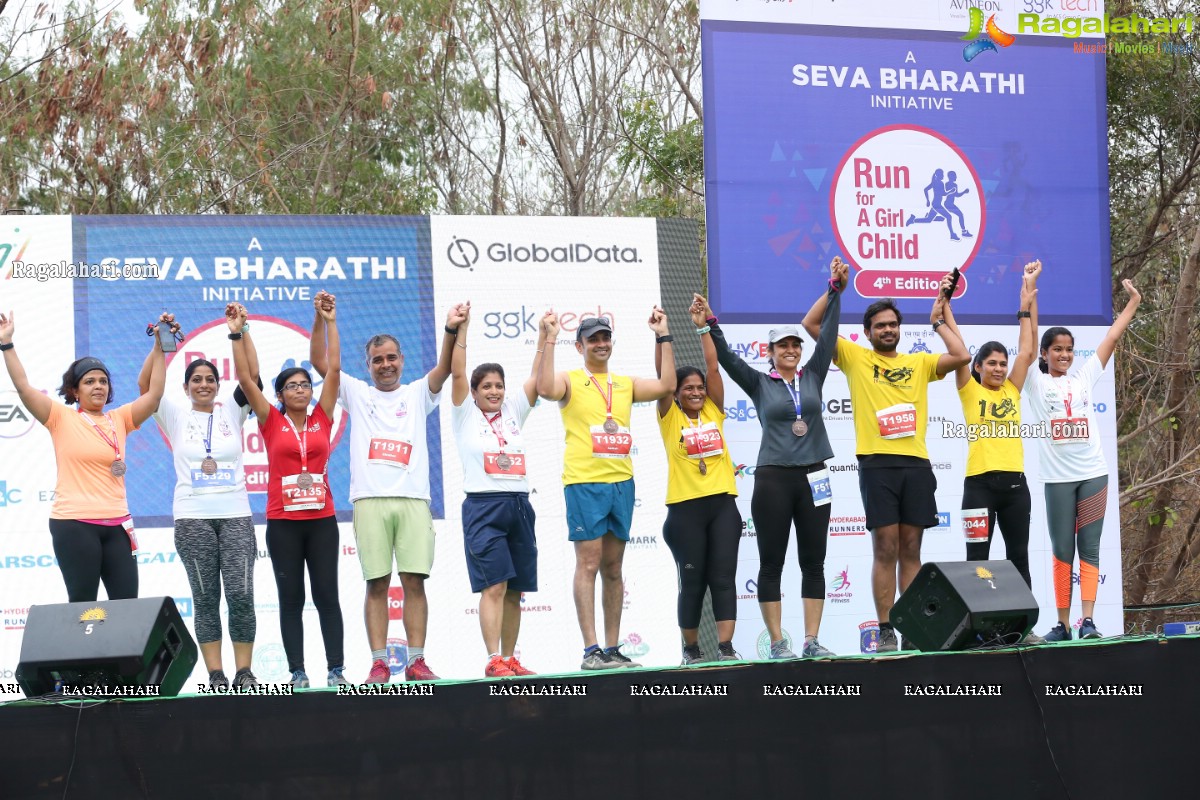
(389, 484)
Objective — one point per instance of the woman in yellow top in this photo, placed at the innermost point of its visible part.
(995, 489)
(703, 527)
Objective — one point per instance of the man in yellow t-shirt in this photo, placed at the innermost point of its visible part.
(889, 394)
(597, 470)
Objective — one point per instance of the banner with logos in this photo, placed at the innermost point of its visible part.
(910, 139)
(396, 275)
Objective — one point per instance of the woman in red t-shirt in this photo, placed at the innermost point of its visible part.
(301, 527)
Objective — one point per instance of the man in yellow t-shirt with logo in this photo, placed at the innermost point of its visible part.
(597, 470)
(889, 394)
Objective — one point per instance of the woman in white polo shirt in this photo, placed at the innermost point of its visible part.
(1072, 462)
(498, 533)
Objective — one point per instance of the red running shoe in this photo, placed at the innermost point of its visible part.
(418, 670)
(517, 668)
(497, 667)
(379, 672)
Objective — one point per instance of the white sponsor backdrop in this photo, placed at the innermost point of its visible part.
(849, 602)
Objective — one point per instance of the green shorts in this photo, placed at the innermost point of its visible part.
(384, 526)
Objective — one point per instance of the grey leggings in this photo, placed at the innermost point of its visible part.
(212, 551)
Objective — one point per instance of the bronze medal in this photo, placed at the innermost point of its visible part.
(209, 466)
(118, 468)
(304, 480)
(703, 467)
(799, 427)
(610, 425)
(503, 462)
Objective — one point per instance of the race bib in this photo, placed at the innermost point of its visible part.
(822, 492)
(898, 421)
(296, 498)
(611, 445)
(509, 465)
(392, 452)
(1069, 430)
(704, 441)
(975, 525)
(223, 480)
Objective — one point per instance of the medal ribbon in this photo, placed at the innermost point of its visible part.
(110, 442)
(497, 428)
(695, 425)
(607, 397)
(302, 442)
(794, 390)
(208, 440)
(1068, 397)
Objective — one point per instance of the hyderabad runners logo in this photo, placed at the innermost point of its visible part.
(979, 41)
(764, 643)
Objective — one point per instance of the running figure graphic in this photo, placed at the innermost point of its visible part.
(941, 204)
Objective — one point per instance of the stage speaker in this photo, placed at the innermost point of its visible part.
(139, 642)
(957, 605)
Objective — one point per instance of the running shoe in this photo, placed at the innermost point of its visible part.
(517, 668)
(379, 672)
(497, 668)
(1088, 630)
(1059, 633)
(336, 678)
(781, 652)
(725, 652)
(217, 681)
(887, 641)
(692, 655)
(1032, 638)
(814, 649)
(619, 658)
(244, 680)
(598, 659)
(299, 680)
(418, 670)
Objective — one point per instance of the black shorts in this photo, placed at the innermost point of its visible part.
(899, 494)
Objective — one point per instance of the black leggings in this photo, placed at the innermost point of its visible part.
(293, 543)
(782, 496)
(1006, 497)
(88, 553)
(704, 535)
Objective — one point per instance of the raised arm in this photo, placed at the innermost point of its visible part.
(530, 387)
(811, 323)
(712, 371)
(742, 373)
(962, 374)
(436, 378)
(235, 319)
(647, 389)
(147, 402)
(38, 404)
(826, 347)
(1105, 349)
(460, 386)
(552, 385)
(251, 351)
(333, 355)
(317, 355)
(956, 354)
(1027, 341)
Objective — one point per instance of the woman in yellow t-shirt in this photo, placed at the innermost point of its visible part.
(703, 527)
(995, 489)
(90, 525)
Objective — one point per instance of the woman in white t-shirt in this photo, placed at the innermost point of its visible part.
(214, 531)
(498, 532)
(1072, 462)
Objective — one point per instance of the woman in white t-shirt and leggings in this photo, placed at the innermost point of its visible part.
(1072, 462)
(497, 519)
(214, 531)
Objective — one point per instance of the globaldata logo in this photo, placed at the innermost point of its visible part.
(465, 254)
(979, 41)
(840, 588)
(462, 253)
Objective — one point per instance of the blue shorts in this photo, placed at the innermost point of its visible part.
(499, 540)
(594, 509)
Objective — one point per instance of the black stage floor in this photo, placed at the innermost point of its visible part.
(1113, 719)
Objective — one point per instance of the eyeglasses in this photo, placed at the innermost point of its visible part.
(297, 387)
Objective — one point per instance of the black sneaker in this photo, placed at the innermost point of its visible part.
(620, 659)
(244, 680)
(725, 652)
(1059, 633)
(692, 655)
(217, 681)
(887, 641)
(597, 660)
